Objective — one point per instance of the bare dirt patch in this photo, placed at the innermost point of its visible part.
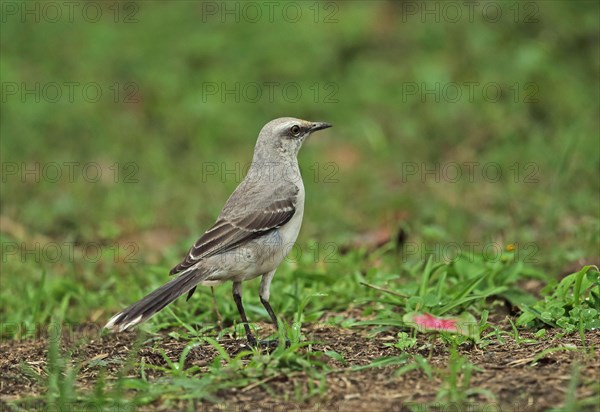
(505, 370)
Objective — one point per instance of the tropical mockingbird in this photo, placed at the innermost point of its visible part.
(254, 232)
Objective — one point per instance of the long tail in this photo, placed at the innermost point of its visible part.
(154, 302)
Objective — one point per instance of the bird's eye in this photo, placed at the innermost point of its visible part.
(295, 130)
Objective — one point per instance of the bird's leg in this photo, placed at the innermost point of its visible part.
(237, 297)
(264, 293)
(269, 309)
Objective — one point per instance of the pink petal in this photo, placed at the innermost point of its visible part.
(430, 322)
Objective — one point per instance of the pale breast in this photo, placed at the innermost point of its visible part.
(261, 255)
(289, 231)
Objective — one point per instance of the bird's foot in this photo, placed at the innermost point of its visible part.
(272, 343)
(266, 343)
(252, 342)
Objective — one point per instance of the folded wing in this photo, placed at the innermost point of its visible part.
(229, 232)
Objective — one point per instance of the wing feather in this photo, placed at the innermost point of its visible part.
(228, 233)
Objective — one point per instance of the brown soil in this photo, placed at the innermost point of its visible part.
(504, 370)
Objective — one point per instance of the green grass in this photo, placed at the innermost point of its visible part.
(74, 251)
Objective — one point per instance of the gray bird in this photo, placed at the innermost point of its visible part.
(256, 229)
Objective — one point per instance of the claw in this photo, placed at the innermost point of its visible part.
(266, 343)
(252, 342)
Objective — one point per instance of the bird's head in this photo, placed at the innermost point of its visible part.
(284, 137)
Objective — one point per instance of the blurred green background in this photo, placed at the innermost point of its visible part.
(384, 73)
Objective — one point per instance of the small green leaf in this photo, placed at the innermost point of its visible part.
(594, 277)
(335, 356)
(593, 324)
(588, 314)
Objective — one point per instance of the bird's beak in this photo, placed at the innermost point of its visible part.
(319, 126)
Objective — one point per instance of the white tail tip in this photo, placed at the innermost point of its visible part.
(113, 323)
